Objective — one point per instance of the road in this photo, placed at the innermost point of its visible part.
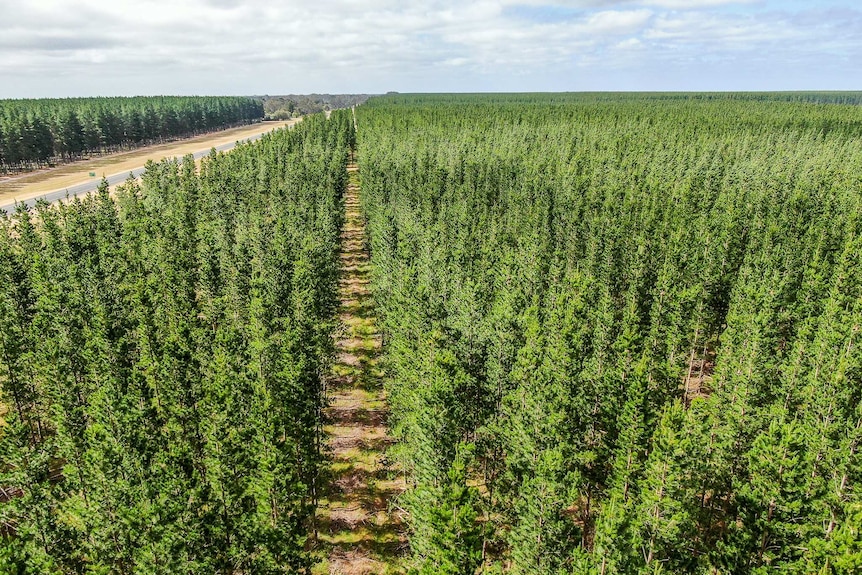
(93, 184)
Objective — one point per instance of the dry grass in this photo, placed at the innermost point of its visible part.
(360, 534)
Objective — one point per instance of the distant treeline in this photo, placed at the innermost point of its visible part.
(35, 133)
(293, 105)
(811, 97)
(548, 98)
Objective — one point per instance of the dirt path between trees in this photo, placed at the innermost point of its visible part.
(359, 532)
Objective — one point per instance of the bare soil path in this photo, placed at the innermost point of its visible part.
(358, 530)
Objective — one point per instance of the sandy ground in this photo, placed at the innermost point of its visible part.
(36, 183)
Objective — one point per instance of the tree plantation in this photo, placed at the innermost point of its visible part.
(162, 353)
(620, 334)
(35, 133)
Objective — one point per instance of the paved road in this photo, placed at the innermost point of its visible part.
(93, 184)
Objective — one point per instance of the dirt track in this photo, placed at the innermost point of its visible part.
(359, 531)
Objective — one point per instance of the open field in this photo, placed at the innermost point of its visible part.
(75, 177)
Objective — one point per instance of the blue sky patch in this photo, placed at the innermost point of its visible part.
(541, 14)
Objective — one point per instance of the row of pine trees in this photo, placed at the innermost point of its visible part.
(35, 133)
(162, 354)
(622, 334)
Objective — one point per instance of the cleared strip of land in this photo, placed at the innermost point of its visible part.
(75, 178)
(359, 532)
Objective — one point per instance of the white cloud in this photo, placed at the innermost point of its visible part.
(720, 32)
(629, 44)
(48, 47)
(616, 22)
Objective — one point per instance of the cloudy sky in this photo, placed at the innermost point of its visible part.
(127, 47)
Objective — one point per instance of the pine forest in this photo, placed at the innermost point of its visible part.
(162, 352)
(37, 133)
(618, 334)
